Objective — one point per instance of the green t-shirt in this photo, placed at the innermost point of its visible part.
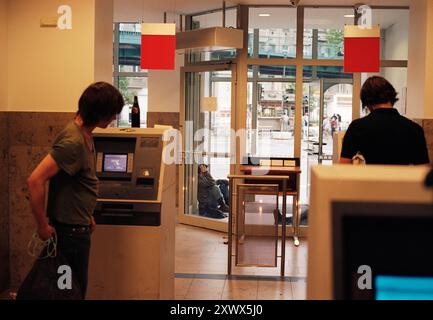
(73, 191)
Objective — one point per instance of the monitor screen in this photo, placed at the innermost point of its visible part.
(403, 288)
(393, 240)
(116, 163)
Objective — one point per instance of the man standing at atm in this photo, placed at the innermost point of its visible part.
(73, 189)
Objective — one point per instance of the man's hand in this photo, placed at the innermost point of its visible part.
(92, 225)
(45, 232)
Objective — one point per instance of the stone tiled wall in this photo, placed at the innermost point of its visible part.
(30, 138)
(4, 203)
(24, 144)
(163, 118)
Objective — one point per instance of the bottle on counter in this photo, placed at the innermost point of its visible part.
(135, 114)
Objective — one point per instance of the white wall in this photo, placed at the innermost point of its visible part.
(429, 64)
(142, 11)
(396, 48)
(420, 65)
(397, 39)
(3, 55)
(164, 88)
(48, 67)
(103, 42)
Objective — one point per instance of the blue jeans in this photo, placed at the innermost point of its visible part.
(76, 249)
(224, 188)
(216, 193)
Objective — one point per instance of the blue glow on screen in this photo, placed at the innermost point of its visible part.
(403, 288)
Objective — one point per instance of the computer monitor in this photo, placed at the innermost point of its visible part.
(363, 198)
(382, 251)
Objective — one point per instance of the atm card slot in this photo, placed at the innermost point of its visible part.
(111, 178)
(146, 182)
(117, 207)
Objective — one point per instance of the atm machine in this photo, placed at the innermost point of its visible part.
(132, 253)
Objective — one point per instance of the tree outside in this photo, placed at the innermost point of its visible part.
(335, 42)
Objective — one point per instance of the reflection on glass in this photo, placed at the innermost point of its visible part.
(325, 72)
(272, 32)
(324, 32)
(215, 19)
(130, 87)
(215, 55)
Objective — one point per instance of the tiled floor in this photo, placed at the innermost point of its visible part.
(201, 271)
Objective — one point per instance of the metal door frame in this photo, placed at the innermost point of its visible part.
(187, 218)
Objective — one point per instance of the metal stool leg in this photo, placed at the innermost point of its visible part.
(230, 236)
(295, 220)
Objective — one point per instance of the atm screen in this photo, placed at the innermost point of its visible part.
(403, 288)
(115, 163)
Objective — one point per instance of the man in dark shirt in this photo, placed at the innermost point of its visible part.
(384, 136)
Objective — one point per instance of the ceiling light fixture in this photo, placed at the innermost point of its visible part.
(264, 15)
(349, 16)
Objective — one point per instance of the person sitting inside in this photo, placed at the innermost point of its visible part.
(384, 137)
(210, 198)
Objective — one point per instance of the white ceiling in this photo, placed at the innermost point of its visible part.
(193, 6)
(284, 18)
(315, 18)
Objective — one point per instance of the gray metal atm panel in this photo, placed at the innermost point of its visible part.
(141, 182)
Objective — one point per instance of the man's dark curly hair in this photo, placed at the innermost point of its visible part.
(377, 90)
(99, 102)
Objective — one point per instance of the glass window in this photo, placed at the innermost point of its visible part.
(272, 72)
(215, 19)
(129, 47)
(130, 87)
(217, 55)
(271, 111)
(324, 32)
(272, 32)
(128, 76)
(208, 20)
(325, 72)
(326, 110)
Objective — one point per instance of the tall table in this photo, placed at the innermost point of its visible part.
(293, 187)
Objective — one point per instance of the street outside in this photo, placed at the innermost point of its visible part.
(272, 144)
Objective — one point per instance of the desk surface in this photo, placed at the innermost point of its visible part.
(270, 170)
